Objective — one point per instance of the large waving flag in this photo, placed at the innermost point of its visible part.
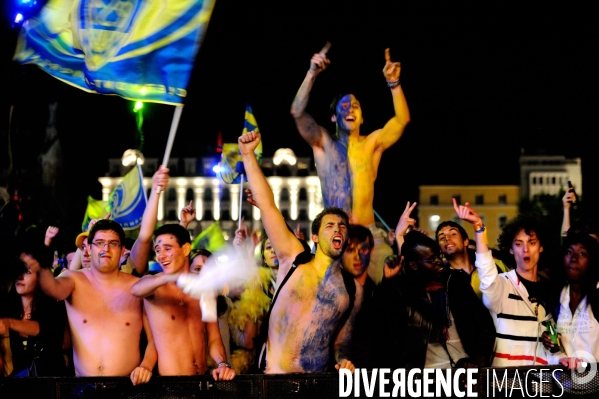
(96, 209)
(229, 171)
(128, 200)
(139, 49)
(210, 238)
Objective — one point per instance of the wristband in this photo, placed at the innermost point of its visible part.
(480, 229)
(228, 365)
(392, 84)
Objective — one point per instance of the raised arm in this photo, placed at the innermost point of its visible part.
(29, 328)
(58, 288)
(313, 133)
(187, 215)
(393, 130)
(491, 286)
(283, 240)
(141, 248)
(567, 200)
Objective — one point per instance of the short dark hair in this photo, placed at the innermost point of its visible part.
(104, 225)
(199, 252)
(451, 223)
(414, 239)
(180, 233)
(358, 233)
(527, 223)
(329, 210)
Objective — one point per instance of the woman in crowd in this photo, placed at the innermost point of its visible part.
(576, 297)
(35, 324)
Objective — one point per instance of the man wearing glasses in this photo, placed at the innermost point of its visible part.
(104, 318)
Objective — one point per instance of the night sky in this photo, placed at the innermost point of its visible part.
(484, 81)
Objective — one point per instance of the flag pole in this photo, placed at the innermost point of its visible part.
(382, 221)
(171, 137)
(240, 200)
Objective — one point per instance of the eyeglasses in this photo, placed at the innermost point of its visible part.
(435, 259)
(111, 244)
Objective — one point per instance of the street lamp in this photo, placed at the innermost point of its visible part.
(130, 157)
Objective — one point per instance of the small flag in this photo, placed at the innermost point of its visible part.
(96, 209)
(229, 171)
(128, 200)
(140, 50)
(210, 238)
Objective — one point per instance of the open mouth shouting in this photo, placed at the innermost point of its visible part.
(338, 242)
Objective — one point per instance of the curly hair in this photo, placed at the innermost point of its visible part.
(527, 223)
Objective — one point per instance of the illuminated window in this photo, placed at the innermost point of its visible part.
(433, 221)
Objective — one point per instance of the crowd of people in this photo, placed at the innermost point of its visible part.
(360, 296)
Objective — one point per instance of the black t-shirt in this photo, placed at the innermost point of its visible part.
(538, 292)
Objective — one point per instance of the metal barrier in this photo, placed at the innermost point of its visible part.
(547, 381)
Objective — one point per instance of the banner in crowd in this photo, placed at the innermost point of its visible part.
(229, 172)
(140, 50)
(211, 238)
(128, 200)
(96, 209)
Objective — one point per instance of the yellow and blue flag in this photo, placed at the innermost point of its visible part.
(96, 209)
(138, 49)
(229, 171)
(211, 238)
(128, 201)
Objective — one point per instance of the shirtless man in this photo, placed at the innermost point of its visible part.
(176, 318)
(346, 160)
(309, 313)
(104, 318)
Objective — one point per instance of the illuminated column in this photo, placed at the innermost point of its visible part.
(181, 198)
(234, 195)
(293, 197)
(199, 202)
(311, 202)
(275, 184)
(216, 202)
(106, 193)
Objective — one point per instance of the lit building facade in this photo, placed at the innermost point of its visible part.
(294, 182)
(549, 174)
(496, 205)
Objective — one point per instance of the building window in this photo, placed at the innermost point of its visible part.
(434, 199)
(479, 199)
(553, 180)
(502, 199)
(207, 195)
(458, 199)
(226, 195)
(541, 180)
(285, 214)
(303, 215)
(284, 194)
(207, 215)
(303, 194)
(172, 194)
(225, 215)
(501, 221)
(172, 215)
(189, 195)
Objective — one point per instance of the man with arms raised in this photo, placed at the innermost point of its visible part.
(175, 318)
(347, 161)
(309, 318)
(104, 318)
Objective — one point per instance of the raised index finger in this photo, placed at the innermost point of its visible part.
(387, 55)
(326, 48)
(455, 205)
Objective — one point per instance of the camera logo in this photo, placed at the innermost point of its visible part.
(578, 378)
